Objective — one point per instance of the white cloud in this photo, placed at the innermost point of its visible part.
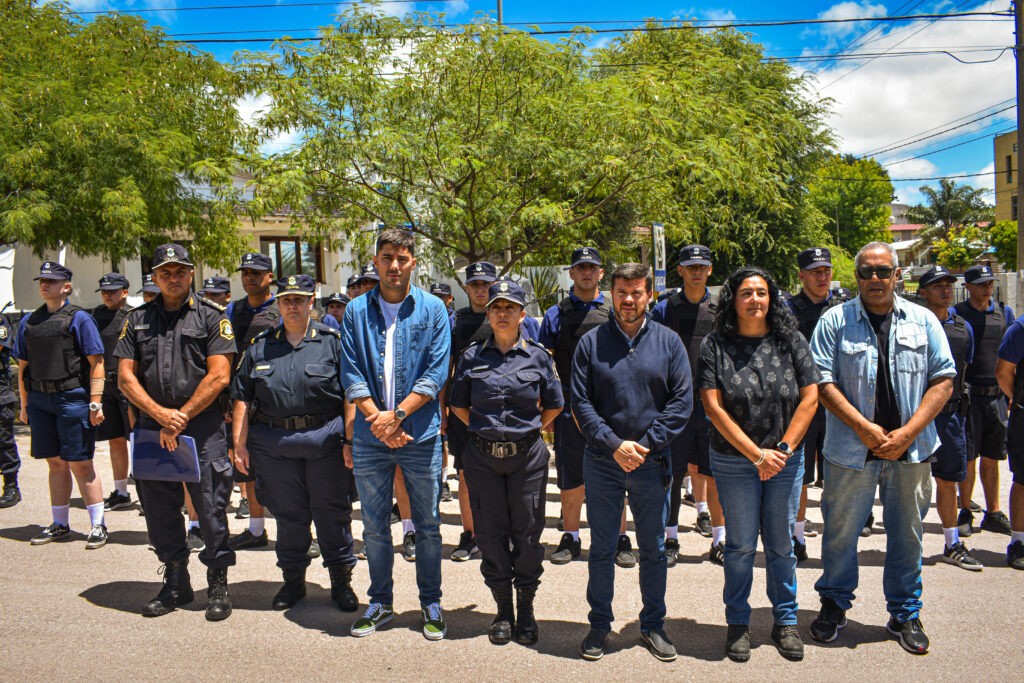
(711, 14)
(986, 181)
(915, 168)
(384, 9)
(455, 7)
(251, 109)
(849, 10)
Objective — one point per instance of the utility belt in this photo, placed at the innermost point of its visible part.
(54, 386)
(957, 405)
(986, 391)
(295, 422)
(505, 449)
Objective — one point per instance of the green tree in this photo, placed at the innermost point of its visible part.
(853, 193)
(961, 246)
(112, 138)
(1003, 236)
(949, 206)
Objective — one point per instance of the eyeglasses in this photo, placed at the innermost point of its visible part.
(883, 272)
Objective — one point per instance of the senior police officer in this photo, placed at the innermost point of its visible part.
(60, 361)
(986, 421)
(505, 389)
(289, 421)
(815, 297)
(563, 326)
(116, 426)
(690, 312)
(10, 461)
(949, 464)
(217, 289)
(175, 359)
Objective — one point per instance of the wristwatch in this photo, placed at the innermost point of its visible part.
(783, 447)
(93, 407)
(400, 414)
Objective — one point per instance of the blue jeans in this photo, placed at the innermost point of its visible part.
(374, 469)
(905, 490)
(759, 508)
(607, 485)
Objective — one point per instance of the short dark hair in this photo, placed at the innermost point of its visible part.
(632, 271)
(397, 237)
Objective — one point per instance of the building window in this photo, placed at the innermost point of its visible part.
(1009, 168)
(292, 256)
(1013, 208)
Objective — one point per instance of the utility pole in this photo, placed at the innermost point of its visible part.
(1018, 51)
(500, 17)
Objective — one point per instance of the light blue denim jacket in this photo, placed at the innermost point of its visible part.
(846, 350)
(422, 343)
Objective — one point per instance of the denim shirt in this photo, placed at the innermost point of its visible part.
(422, 345)
(846, 350)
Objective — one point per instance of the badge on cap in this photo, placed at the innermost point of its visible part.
(170, 252)
(47, 265)
(504, 287)
(585, 252)
(291, 280)
(248, 257)
(696, 251)
(817, 252)
(479, 267)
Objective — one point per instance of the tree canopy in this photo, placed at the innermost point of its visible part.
(1003, 236)
(853, 195)
(949, 206)
(112, 137)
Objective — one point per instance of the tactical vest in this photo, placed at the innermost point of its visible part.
(110, 323)
(704, 325)
(986, 348)
(247, 324)
(469, 328)
(958, 337)
(6, 332)
(55, 356)
(575, 323)
(806, 317)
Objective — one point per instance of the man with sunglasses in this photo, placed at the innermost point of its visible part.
(887, 371)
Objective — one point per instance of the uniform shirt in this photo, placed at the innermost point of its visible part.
(502, 390)
(230, 310)
(530, 328)
(6, 341)
(280, 380)
(171, 347)
(1011, 349)
(330, 322)
(551, 325)
(83, 329)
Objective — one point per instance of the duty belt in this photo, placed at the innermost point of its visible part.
(50, 386)
(295, 422)
(504, 449)
(986, 391)
(950, 408)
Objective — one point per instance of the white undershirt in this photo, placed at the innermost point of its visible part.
(390, 312)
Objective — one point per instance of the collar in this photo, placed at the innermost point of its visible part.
(828, 297)
(639, 333)
(599, 299)
(520, 344)
(189, 302)
(899, 308)
(375, 297)
(311, 333)
(262, 307)
(707, 295)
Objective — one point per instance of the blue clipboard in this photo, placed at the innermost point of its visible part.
(153, 462)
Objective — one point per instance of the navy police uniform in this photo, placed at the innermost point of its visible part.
(10, 462)
(110, 322)
(505, 461)
(296, 437)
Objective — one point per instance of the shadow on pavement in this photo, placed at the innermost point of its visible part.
(21, 533)
(130, 596)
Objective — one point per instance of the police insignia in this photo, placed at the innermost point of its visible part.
(3, 332)
(291, 280)
(504, 286)
(170, 252)
(226, 331)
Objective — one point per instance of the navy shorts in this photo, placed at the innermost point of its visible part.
(986, 427)
(115, 423)
(693, 445)
(949, 462)
(1015, 444)
(569, 445)
(59, 424)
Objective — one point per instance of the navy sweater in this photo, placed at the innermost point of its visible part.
(641, 392)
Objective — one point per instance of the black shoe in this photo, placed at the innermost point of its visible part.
(671, 551)
(176, 591)
(247, 540)
(467, 547)
(395, 516)
(624, 555)
(11, 496)
(117, 501)
(787, 640)
(293, 590)
(54, 532)
(825, 627)
(704, 524)
(688, 499)
(800, 550)
(194, 540)
(592, 647)
(866, 531)
(810, 531)
(409, 546)
(717, 554)
(527, 631)
(500, 631)
(97, 537)
(567, 551)
(659, 645)
(737, 642)
(218, 607)
(314, 549)
(243, 509)
(910, 634)
(1015, 555)
(996, 522)
(960, 556)
(446, 492)
(965, 523)
(341, 588)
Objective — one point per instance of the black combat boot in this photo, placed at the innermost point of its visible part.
(341, 588)
(294, 588)
(526, 625)
(219, 606)
(500, 632)
(176, 591)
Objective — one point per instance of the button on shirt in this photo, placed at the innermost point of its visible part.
(502, 390)
(282, 380)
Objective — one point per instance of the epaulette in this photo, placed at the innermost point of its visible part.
(265, 333)
(326, 329)
(211, 304)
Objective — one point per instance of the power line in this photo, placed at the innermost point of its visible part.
(941, 132)
(943, 149)
(914, 180)
(879, 28)
(1009, 100)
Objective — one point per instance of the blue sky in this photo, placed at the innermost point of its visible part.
(878, 103)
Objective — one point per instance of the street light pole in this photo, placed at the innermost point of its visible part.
(500, 17)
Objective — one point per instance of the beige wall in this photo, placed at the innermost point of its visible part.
(1006, 188)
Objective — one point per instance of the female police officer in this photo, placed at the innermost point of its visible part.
(288, 422)
(505, 388)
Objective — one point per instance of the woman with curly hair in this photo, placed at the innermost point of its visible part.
(758, 382)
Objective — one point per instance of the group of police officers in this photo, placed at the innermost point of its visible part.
(196, 364)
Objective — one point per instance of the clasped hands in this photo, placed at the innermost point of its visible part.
(630, 455)
(388, 428)
(885, 445)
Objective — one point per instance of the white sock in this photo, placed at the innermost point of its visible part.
(952, 536)
(798, 531)
(688, 483)
(95, 513)
(121, 486)
(193, 524)
(702, 507)
(61, 513)
(256, 525)
(1016, 536)
(672, 532)
(408, 526)
(575, 535)
(444, 474)
(717, 534)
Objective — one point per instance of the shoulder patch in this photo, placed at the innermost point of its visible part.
(3, 332)
(225, 330)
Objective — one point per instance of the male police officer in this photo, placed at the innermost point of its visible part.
(60, 357)
(986, 421)
(815, 298)
(175, 359)
(116, 427)
(563, 326)
(444, 292)
(368, 278)
(690, 312)
(217, 289)
(10, 462)
(949, 463)
(352, 287)
(334, 305)
(149, 289)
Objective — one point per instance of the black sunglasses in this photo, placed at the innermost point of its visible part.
(883, 272)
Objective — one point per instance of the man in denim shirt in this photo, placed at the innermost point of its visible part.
(886, 371)
(395, 345)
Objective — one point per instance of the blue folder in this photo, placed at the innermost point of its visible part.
(153, 462)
